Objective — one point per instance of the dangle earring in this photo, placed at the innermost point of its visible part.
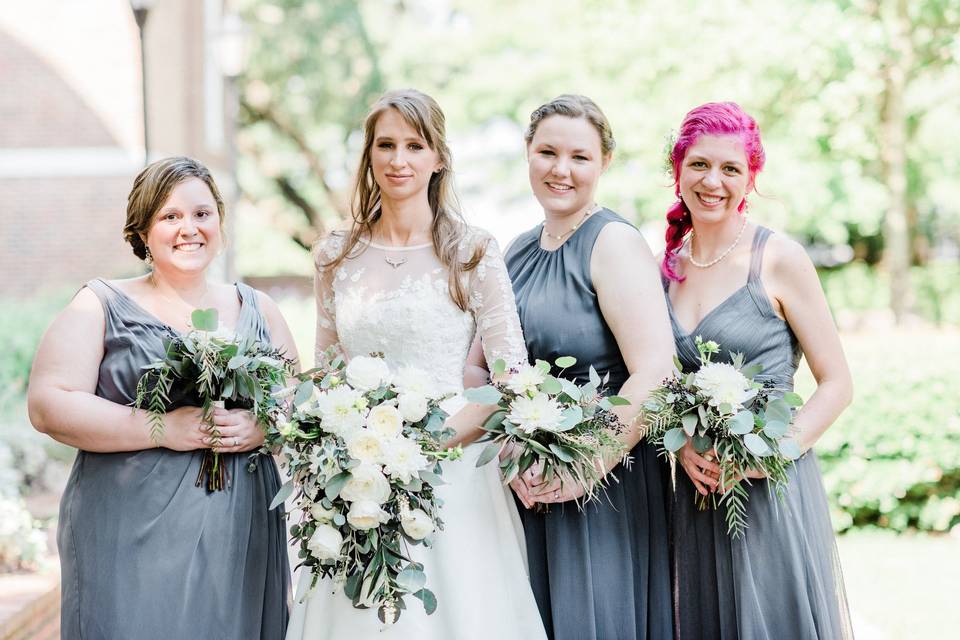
(148, 258)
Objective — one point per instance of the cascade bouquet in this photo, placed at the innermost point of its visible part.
(728, 415)
(216, 368)
(547, 420)
(363, 448)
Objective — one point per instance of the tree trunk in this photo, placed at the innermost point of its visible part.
(893, 153)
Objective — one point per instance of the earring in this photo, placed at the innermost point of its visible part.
(148, 258)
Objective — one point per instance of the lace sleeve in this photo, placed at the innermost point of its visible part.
(323, 291)
(494, 307)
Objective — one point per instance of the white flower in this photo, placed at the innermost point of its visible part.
(526, 380)
(366, 514)
(365, 445)
(320, 514)
(366, 373)
(284, 427)
(413, 381)
(723, 383)
(539, 412)
(385, 421)
(366, 483)
(341, 410)
(325, 542)
(412, 407)
(416, 524)
(403, 459)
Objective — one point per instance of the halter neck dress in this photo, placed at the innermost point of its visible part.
(782, 579)
(146, 554)
(603, 572)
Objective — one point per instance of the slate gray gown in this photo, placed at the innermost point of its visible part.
(146, 554)
(600, 574)
(782, 579)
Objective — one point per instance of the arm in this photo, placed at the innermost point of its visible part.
(475, 373)
(63, 380)
(795, 287)
(326, 334)
(630, 295)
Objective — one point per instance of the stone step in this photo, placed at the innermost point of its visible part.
(29, 606)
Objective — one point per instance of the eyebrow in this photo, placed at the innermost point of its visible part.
(699, 157)
(408, 139)
(573, 151)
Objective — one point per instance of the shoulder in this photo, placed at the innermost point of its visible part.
(267, 304)
(476, 239)
(783, 255)
(329, 246)
(619, 235)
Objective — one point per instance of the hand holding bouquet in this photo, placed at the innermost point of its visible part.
(363, 448)
(740, 421)
(216, 367)
(567, 429)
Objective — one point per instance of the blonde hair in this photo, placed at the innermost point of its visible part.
(152, 187)
(448, 228)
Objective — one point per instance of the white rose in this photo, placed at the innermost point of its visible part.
(366, 514)
(325, 542)
(341, 410)
(403, 459)
(539, 412)
(365, 445)
(320, 514)
(366, 483)
(416, 524)
(385, 420)
(416, 382)
(366, 373)
(526, 380)
(412, 407)
(723, 383)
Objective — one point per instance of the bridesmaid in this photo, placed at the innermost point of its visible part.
(586, 285)
(755, 292)
(145, 553)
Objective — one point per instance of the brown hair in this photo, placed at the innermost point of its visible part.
(152, 187)
(574, 106)
(448, 229)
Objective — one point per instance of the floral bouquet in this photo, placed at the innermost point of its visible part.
(568, 429)
(217, 368)
(363, 449)
(727, 414)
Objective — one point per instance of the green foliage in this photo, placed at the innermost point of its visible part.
(22, 323)
(893, 458)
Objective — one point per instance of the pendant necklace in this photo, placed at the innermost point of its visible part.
(707, 265)
(394, 261)
(560, 236)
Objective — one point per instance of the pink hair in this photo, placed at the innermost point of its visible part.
(712, 118)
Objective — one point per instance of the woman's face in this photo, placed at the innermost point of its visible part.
(565, 161)
(714, 177)
(185, 234)
(401, 160)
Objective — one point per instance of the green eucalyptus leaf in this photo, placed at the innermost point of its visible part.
(789, 449)
(594, 377)
(351, 587)
(674, 439)
(752, 370)
(793, 399)
(618, 401)
(702, 444)
(778, 409)
(304, 392)
(499, 367)
(775, 429)
(741, 423)
(237, 361)
(282, 495)
(756, 444)
(562, 452)
(571, 389)
(205, 319)
(332, 490)
(489, 453)
(551, 385)
(565, 362)
(689, 421)
(431, 478)
(483, 395)
(428, 599)
(572, 416)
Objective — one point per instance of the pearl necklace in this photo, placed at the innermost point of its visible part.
(707, 265)
(586, 214)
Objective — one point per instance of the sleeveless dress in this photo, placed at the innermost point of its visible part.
(143, 552)
(603, 573)
(782, 579)
(396, 301)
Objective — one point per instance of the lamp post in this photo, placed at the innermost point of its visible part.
(140, 10)
(231, 50)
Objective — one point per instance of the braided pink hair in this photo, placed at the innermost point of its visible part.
(712, 118)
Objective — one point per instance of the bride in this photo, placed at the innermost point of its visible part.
(411, 280)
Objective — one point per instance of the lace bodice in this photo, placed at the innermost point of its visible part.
(395, 300)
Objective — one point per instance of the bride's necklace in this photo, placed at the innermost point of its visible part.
(592, 209)
(394, 261)
(707, 265)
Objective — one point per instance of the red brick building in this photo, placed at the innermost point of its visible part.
(71, 127)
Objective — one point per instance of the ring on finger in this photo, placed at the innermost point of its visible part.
(236, 442)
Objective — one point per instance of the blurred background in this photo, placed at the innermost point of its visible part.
(858, 101)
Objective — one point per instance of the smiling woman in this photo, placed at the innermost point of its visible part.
(134, 535)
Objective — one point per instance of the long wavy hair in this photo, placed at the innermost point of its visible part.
(712, 118)
(448, 228)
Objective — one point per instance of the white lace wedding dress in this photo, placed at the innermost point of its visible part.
(396, 301)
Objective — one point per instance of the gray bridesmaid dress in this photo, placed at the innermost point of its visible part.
(782, 579)
(603, 573)
(146, 554)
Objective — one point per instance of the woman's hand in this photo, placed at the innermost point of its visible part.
(703, 472)
(238, 429)
(183, 430)
(520, 483)
(558, 490)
